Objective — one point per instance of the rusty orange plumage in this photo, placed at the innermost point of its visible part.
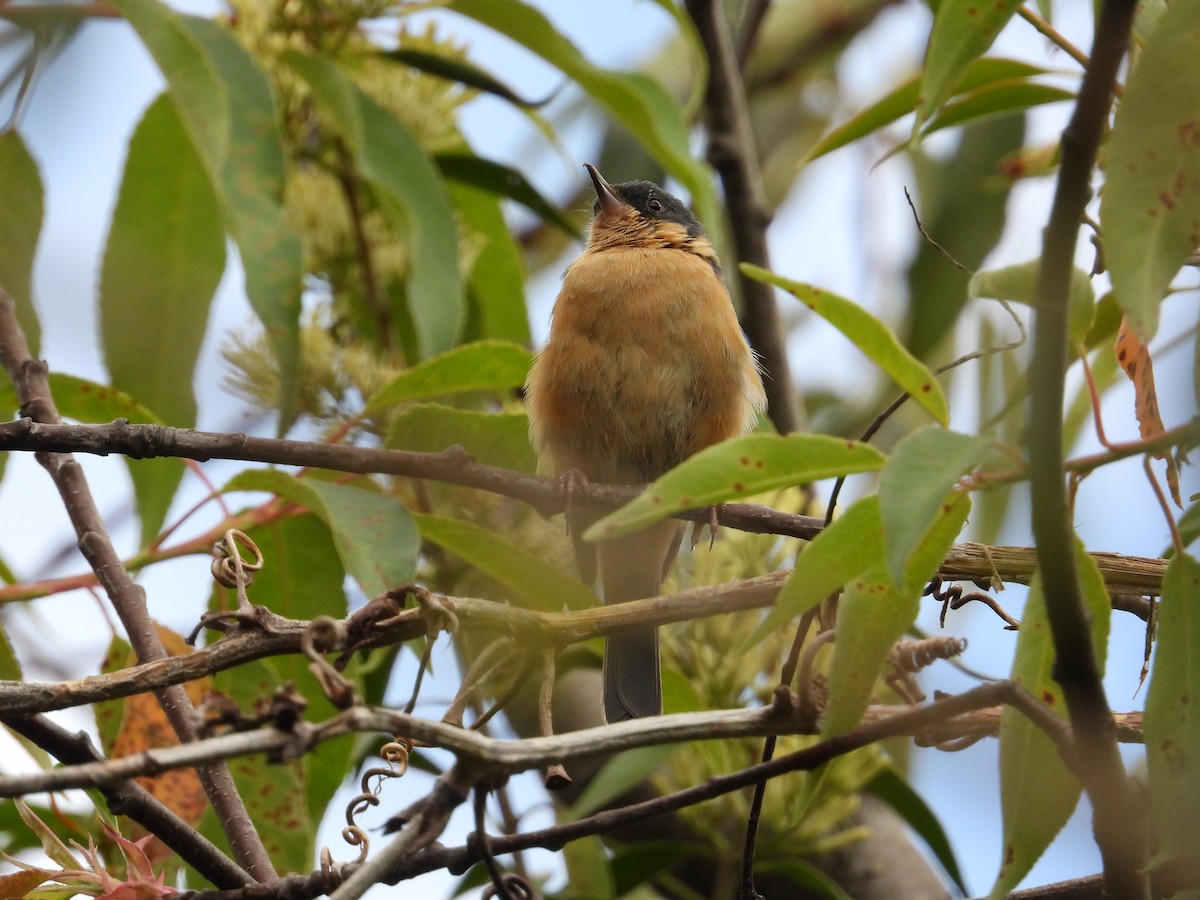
(645, 365)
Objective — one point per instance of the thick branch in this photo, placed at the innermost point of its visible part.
(1118, 822)
(732, 153)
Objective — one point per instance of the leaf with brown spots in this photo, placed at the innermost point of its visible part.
(1172, 724)
(1134, 357)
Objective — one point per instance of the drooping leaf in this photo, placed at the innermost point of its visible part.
(637, 863)
(1019, 284)
(1172, 726)
(534, 583)
(250, 185)
(495, 439)
(154, 305)
(373, 531)
(739, 468)
(870, 335)
(1150, 208)
(503, 181)
(1135, 360)
(410, 191)
(460, 70)
(20, 225)
(842, 550)
(962, 31)
(916, 484)
(637, 103)
(478, 366)
(1037, 791)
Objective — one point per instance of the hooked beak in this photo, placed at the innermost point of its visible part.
(610, 203)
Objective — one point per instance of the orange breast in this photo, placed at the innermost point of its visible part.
(645, 365)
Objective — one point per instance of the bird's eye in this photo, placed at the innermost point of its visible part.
(654, 204)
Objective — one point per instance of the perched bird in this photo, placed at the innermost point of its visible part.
(645, 365)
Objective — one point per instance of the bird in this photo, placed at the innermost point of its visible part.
(645, 365)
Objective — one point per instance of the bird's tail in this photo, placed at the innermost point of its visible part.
(631, 568)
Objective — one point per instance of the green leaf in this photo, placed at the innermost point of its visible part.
(637, 103)
(893, 789)
(479, 366)
(636, 863)
(621, 773)
(162, 263)
(303, 578)
(915, 486)
(1150, 208)
(250, 184)
(1019, 284)
(407, 185)
(803, 874)
(739, 468)
(460, 70)
(495, 439)
(373, 531)
(1172, 726)
(274, 792)
(962, 31)
(534, 583)
(872, 615)
(842, 550)
(1000, 98)
(1037, 791)
(903, 99)
(589, 876)
(85, 401)
(870, 335)
(196, 88)
(20, 225)
(503, 181)
(496, 283)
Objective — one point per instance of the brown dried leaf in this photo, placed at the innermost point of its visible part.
(1134, 357)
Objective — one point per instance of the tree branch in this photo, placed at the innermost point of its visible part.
(29, 377)
(1118, 819)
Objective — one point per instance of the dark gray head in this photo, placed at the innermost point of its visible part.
(650, 201)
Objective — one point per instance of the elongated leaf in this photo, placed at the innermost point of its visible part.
(892, 788)
(874, 612)
(496, 439)
(20, 225)
(1037, 791)
(503, 181)
(496, 283)
(154, 302)
(409, 189)
(870, 335)
(842, 550)
(622, 772)
(916, 484)
(1000, 98)
(1150, 209)
(460, 70)
(739, 468)
(636, 102)
(1019, 284)
(196, 88)
(903, 99)
(250, 184)
(534, 582)
(373, 531)
(1172, 723)
(478, 366)
(962, 31)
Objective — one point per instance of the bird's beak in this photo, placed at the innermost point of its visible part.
(610, 203)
